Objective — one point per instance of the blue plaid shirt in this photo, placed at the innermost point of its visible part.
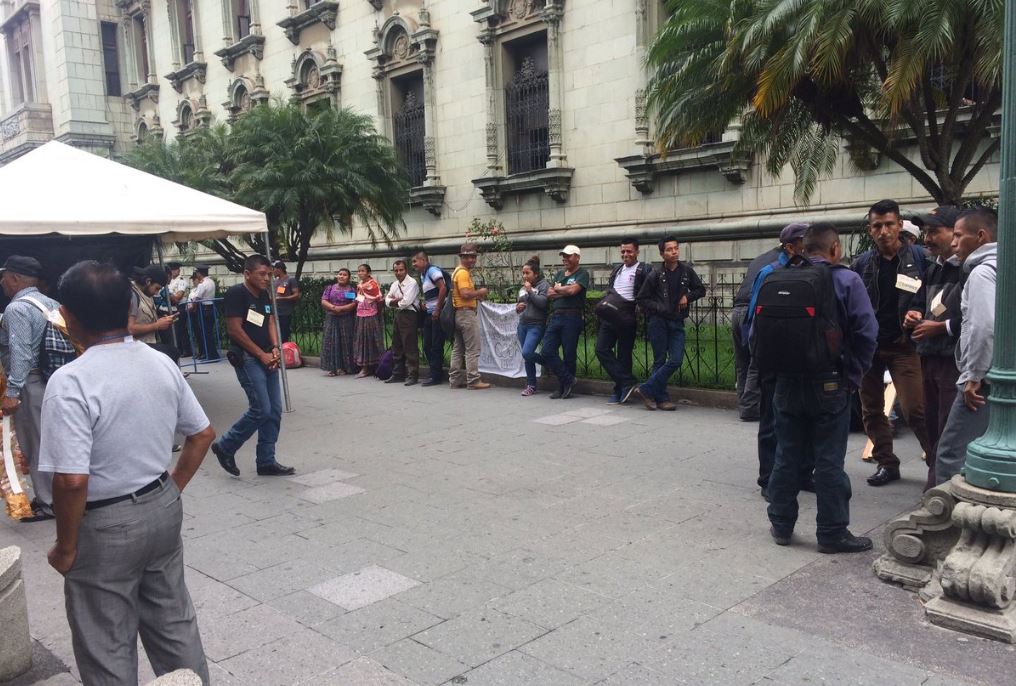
(21, 331)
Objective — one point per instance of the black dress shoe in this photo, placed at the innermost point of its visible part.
(228, 462)
(275, 469)
(431, 382)
(411, 381)
(556, 395)
(780, 537)
(848, 544)
(40, 512)
(884, 475)
(395, 379)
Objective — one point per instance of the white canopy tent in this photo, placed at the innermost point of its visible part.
(60, 189)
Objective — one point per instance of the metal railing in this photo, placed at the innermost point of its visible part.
(708, 355)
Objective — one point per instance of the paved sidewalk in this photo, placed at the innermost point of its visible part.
(457, 537)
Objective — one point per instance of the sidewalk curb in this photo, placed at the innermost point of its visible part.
(704, 397)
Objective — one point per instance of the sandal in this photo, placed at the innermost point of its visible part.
(530, 390)
(333, 373)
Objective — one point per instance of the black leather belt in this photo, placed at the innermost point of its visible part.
(96, 504)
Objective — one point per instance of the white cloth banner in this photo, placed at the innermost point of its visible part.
(499, 343)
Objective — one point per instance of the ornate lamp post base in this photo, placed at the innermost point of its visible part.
(958, 550)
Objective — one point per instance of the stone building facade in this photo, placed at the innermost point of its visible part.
(528, 111)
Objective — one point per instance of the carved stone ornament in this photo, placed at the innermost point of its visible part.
(324, 12)
(400, 47)
(970, 548)
(251, 44)
(643, 169)
(148, 91)
(194, 70)
(431, 198)
(555, 182)
(314, 74)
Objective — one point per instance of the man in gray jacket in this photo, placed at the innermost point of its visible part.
(974, 242)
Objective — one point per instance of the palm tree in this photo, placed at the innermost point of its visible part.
(804, 75)
(312, 171)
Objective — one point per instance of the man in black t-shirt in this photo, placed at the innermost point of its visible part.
(254, 353)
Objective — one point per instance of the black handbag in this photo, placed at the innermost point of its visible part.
(616, 311)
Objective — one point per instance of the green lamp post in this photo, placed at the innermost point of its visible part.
(991, 459)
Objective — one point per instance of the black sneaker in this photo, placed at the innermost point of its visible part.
(566, 392)
(228, 462)
(275, 469)
(779, 537)
(556, 395)
(431, 382)
(848, 544)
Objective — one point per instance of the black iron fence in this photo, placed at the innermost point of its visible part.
(708, 357)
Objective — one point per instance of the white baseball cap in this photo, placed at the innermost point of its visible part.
(911, 228)
(570, 250)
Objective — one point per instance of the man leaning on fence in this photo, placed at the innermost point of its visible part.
(615, 339)
(403, 297)
(466, 298)
(666, 297)
(436, 296)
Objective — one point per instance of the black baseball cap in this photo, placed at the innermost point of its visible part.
(943, 215)
(26, 266)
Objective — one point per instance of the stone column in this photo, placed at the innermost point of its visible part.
(227, 23)
(172, 11)
(552, 15)
(146, 24)
(134, 78)
(196, 21)
(641, 47)
(16, 645)
(489, 41)
(255, 18)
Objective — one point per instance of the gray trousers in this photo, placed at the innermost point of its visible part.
(465, 349)
(28, 426)
(128, 580)
(961, 428)
(748, 393)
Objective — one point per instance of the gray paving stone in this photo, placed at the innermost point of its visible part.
(281, 579)
(224, 636)
(365, 672)
(452, 595)
(306, 608)
(479, 635)
(557, 419)
(615, 576)
(606, 420)
(289, 660)
(517, 668)
(322, 477)
(377, 625)
(636, 675)
(333, 491)
(423, 665)
(550, 603)
(829, 665)
(214, 597)
(589, 411)
(361, 588)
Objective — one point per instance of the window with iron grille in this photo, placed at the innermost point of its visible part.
(527, 105)
(408, 126)
(111, 58)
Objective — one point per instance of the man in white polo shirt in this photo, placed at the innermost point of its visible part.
(615, 339)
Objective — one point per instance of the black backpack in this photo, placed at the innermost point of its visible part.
(797, 324)
(448, 311)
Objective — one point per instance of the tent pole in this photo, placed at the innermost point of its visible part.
(278, 329)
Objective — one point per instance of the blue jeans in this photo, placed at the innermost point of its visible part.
(529, 337)
(667, 338)
(563, 331)
(812, 422)
(263, 415)
(614, 350)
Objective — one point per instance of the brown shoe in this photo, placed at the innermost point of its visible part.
(666, 405)
(478, 386)
(649, 402)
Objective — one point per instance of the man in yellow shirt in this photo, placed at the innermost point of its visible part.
(466, 345)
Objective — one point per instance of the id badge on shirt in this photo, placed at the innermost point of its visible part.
(281, 290)
(255, 318)
(908, 284)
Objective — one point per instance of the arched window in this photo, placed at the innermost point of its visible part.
(186, 118)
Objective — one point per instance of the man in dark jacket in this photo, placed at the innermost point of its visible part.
(892, 273)
(934, 323)
(616, 341)
(747, 379)
(665, 298)
(813, 411)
